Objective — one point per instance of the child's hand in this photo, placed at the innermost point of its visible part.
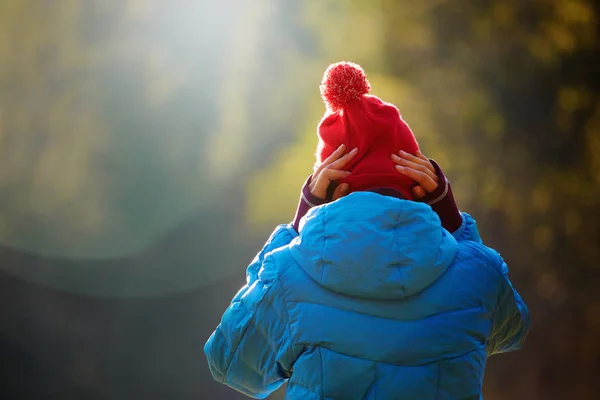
(331, 170)
(419, 169)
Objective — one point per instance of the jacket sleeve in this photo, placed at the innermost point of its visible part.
(251, 349)
(510, 320)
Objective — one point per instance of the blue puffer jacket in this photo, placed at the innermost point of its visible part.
(372, 300)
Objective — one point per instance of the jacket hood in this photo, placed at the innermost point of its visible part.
(372, 246)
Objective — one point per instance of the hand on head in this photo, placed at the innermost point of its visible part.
(419, 169)
(331, 170)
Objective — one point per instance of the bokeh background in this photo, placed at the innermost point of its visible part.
(148, 148)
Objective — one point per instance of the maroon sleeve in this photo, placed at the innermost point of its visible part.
(442, 202)
(306, 202)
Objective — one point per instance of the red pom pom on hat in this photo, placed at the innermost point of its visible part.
(342, 83)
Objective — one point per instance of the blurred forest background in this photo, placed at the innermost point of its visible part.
(148, 148)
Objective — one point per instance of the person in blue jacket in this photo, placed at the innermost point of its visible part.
(380, 288)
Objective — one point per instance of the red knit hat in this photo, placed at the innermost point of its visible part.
(357, 119)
